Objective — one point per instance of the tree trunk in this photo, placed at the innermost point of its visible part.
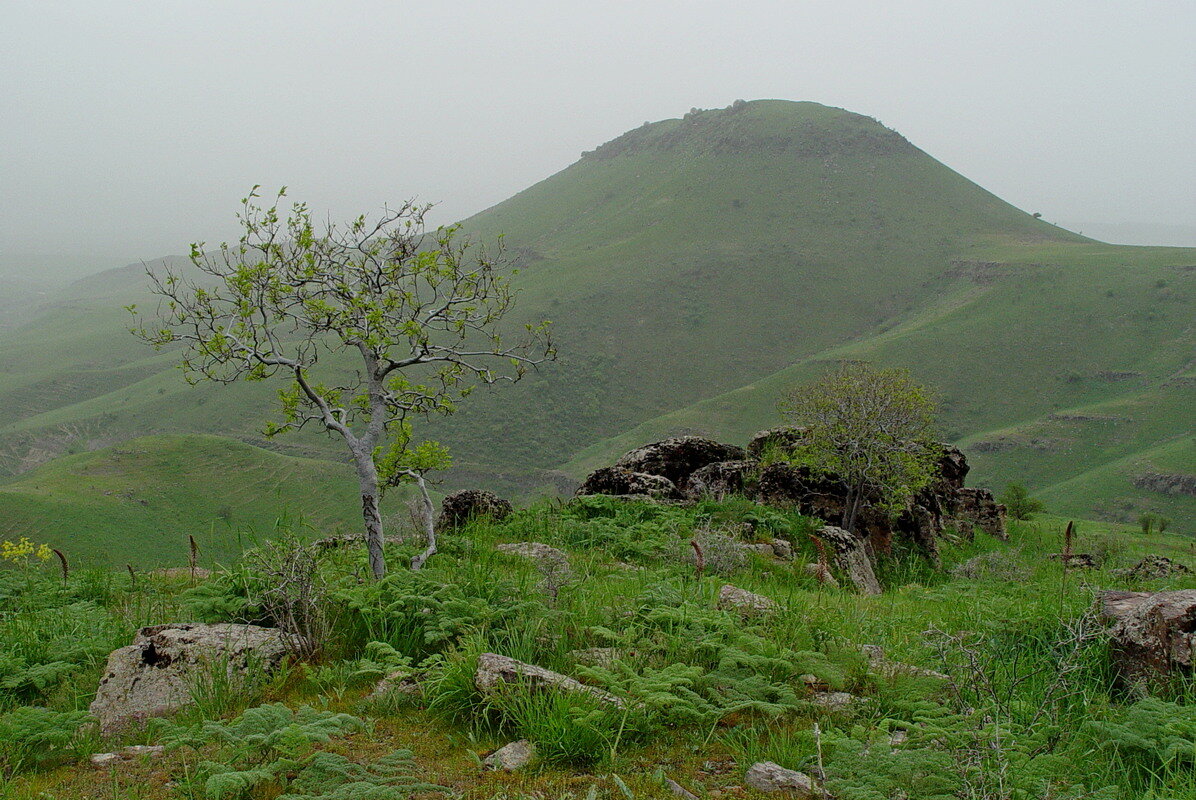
(367, 478)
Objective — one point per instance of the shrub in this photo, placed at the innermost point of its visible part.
(1018, 502)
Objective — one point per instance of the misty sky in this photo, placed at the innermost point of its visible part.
(131, 129)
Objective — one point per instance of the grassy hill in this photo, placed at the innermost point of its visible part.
(694, 268)
(137, 502)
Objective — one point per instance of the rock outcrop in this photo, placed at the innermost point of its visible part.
(851, 558)
(495, 671)
(978, 509)
(781, 440)
(692, 467)
(1153, 634)
(153, 676)
(623, 482)
(460, 507)
(722, 478)
(679, 457)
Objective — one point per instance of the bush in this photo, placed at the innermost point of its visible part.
(1018, 502)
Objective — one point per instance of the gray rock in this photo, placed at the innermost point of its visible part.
(152, 676)
(511, 757)
(495, 671)
(721, 479)
(1153, 634)
(833, 701)
(624, 482)
(765, 776)
(732, 598)
(679, 457)
(851, 558)
(822, 573)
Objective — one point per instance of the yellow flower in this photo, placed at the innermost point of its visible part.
(43, 552)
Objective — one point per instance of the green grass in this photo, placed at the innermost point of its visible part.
(709, 692)
(137, 502)
(694, 269)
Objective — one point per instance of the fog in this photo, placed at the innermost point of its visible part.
(128, 130)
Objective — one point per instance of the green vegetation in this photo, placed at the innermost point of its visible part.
(704, 692)
(421, 310)
(694, 270)
(873, 429)
(137, 502)
(1019, 504)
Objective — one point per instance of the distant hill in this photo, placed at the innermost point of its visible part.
(139, 501)
(696, 267)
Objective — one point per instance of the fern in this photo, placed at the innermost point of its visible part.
(33, 736)
(1150, 737)
(330, 776)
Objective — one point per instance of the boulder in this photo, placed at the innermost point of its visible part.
(953, 466)
(765, 776)
(619, 481)
(722, 478)
(781, 440)
(977, 508)
(460, 507)
(851, 558)
(1153, 634)
(511, 757)
(732, 598)
(679, 457)
(496, 672)
(153, 676)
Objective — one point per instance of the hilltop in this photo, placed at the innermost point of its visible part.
(696, 267)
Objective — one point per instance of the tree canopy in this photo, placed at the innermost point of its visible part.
(420, 312)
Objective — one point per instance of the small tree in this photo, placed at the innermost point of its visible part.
(872, 428)
(1019, 503)
(419, 312)
(1146, 521)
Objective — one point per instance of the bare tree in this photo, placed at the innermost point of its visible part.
(420, 310)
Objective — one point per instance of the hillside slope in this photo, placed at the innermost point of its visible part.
(696, 267)
(137, 503)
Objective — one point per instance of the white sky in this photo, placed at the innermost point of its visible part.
(133, 128)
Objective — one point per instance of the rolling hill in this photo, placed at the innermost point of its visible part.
(139, 501)
(694, 268)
